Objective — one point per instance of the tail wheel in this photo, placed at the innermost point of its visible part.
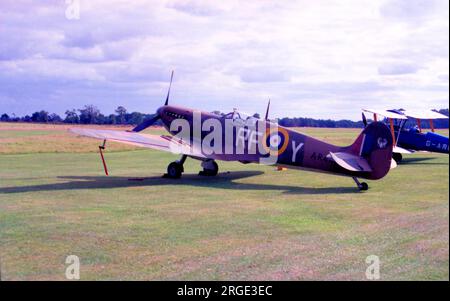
(174, 170)
(361, 186)
(364, 186)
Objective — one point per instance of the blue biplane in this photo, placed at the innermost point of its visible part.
(408, 140)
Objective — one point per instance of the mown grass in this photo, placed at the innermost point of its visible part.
(25, 138)
(250, 222)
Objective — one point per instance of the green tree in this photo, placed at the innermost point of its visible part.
(55, 118)
(41, 116)
(4, 117)
(135, 118)
(112, 119)
(71, 116)
(89, 114)
(121, 112)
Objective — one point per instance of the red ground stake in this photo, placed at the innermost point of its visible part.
(103, 159)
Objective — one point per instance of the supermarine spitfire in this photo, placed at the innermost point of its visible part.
(236, 136)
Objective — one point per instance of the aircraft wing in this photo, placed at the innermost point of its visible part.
(385, 113)
(426, 114)
(163, 143)
(351, 162)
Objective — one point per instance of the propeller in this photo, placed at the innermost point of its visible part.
(168, 91)
(146, 123)
(267, 111)
(364, 120)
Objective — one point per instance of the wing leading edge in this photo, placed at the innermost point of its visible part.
(162, 143)
(425, 114)
(386, 113)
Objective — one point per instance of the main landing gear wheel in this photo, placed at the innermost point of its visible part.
(175, 169)
(397, 157)
(361, 186)
(210, 168)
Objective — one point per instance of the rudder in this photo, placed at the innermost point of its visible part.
(374, 144)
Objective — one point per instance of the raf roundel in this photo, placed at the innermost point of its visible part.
(276, 141)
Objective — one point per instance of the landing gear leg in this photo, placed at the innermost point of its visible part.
(361, 186)
(175, 169)
(210, 168)
(397, 157)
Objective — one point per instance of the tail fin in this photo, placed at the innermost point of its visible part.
(374, 144)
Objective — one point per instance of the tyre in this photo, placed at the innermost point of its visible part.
(364, 186)
(212, 169)
(174, 170)
(397, 157)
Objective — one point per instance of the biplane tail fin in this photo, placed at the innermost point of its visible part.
(374, 145)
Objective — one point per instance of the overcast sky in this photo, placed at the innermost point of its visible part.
(322, 59)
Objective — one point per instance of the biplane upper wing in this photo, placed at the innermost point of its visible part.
(386, 113)
(163, 143)
(426, 114)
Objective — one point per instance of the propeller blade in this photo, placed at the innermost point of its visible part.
(364, 120)
(267, 111)
(146, 123)
(168, 92)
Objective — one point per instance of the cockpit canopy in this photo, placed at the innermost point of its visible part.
(237, 115)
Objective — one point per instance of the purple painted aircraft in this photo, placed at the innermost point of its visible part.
(238, 137)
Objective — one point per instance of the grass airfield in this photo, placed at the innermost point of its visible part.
(248, 223)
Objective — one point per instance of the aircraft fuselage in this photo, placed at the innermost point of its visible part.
(265, 143)
(431, 142)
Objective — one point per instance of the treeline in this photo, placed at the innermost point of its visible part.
(90, 114)
(328, 123)
(320, 123)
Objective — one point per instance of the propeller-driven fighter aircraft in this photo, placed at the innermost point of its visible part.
(236, 136)
(410, 140)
